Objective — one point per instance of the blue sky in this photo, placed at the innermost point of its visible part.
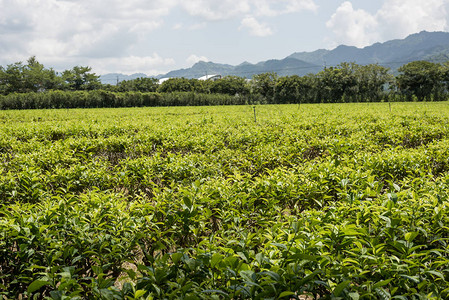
(156, 36)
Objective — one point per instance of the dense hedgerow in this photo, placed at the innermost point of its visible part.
(329, 201)
(99, 98)
(104, 99)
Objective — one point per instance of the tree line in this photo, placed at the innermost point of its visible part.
(346, 82)
(32, 76)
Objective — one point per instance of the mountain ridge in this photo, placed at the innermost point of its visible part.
(431, 46)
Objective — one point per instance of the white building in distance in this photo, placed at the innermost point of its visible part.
(210, 77)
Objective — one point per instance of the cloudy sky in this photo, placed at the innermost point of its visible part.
(156, 36)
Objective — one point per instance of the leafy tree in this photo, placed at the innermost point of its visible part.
(372, 81)
(309, 91)
(265, 85)
(444, 70)
(38, 78)
(32, 77)
(200, 86)
(421, 79)
(11, 78)
(80, 78)
(143, 85)
(230, 85)
(288, 89)
(338, 84)
(176, 85)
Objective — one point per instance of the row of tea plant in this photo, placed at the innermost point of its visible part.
(338, 201)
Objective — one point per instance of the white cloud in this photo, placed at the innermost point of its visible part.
(353, 27)
(214, 10)
(395, 19)
(145, 26)
(81, 31)
(298, 5)
(255, 28)
(193, 59)
(178, 26)
(197, 26)
(54, 30)
(401, 18)
(275, 8)
(150, 65)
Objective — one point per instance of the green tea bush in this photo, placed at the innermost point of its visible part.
(320, 201)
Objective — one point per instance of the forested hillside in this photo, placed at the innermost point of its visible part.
(429, 46)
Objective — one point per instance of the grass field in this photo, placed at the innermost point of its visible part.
(344, 201)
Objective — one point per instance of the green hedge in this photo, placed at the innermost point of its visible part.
(100, 98)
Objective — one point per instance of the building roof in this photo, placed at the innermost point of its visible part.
(163, 79)
(208, 77)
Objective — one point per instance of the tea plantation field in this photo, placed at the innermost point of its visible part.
(320, 201)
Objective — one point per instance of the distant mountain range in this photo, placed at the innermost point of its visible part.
(430, 46)
(113, 78)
